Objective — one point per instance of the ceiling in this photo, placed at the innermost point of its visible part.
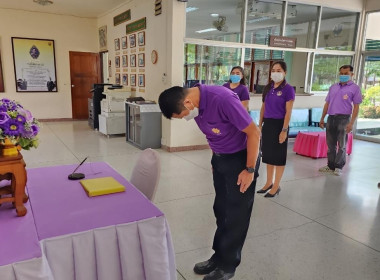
(80, 8)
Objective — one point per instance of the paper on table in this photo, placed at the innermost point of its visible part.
(100, 186)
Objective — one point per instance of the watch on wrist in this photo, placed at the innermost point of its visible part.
(284, 129)
(250, 169)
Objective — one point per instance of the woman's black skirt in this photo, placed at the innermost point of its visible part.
(273, 152)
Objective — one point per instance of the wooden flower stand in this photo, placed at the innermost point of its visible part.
(13, 168)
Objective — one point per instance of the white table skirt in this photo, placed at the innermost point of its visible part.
(141, 250)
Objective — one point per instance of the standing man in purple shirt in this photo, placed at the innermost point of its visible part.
(234, 140)
(339, 102)
(237, 85)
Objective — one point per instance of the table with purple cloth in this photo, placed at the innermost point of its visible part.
(68, 235)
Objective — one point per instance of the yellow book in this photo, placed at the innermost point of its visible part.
(100, 186)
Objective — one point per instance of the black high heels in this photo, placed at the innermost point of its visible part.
(273, 195)
(265, 190)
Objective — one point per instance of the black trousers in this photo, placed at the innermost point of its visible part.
(232, 208)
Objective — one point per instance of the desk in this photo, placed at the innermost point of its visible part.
(116, 236)
(313, 144)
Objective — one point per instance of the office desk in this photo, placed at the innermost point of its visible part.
(115, 236)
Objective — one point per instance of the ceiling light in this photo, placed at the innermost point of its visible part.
(190, 9)
(214, 15)
(206, 30)
(43, 2)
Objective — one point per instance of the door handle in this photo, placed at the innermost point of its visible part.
(72, 85)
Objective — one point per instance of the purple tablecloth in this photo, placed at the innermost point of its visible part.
(18, 236)
(61, 206)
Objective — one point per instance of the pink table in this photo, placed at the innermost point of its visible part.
(313, 144)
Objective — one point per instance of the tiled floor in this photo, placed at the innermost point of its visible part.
(319, 227)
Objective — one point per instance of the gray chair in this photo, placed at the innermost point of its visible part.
(146, 173)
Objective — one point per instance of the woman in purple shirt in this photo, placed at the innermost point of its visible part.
(278, 98)
(237, 85)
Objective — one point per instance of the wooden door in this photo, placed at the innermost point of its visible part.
(84, 72)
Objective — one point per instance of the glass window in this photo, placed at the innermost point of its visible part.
(218, 20)
(212, 64)
(301, 23)
(264, 18)
(372, 36)
(326, 70)
(338, 30)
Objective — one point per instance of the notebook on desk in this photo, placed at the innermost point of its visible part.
(100, 186)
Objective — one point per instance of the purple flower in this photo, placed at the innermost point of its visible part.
(3, 117)
(5, 100)
(27, 114)
(21, 119)
(13, 128)
(31, 132)
(3, 108)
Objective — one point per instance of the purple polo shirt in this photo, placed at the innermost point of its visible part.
(341, 98)
(275, 100)
(240, 90)
(222, 118)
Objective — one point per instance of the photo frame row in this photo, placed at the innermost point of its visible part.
(132, 41)
(124, 79)
(132, 60)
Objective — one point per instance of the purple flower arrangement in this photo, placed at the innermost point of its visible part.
(18, 125)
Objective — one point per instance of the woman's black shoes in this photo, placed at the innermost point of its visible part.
(273, 195)
(265, 190)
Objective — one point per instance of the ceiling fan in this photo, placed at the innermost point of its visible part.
(220, 24)
(43, 2)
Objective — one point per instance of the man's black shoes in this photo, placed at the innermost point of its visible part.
(205, 267)
(219, 274)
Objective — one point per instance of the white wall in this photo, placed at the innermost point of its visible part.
(372, 26)
(69, 34)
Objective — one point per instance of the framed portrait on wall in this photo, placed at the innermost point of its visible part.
(141, 80)
(124, 44)
(117, 44)
(141, 59)
(125, 79)
(103, 38)
(117, 78)
(124, 61)
(133, 60)
(132, 40)
(141, 38)
(34, 65)
(133, 80)
(117, 61)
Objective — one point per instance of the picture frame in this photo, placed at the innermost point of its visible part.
(117, 78)
(34, 65)
(103, 38)
(141, 60)
(132, 60)
(124, 42)
(117, 61)
(141, 38)
(117, 44)
(141, 80)
(124, 61)
(132, 40)
(133, 80)
(124, 79)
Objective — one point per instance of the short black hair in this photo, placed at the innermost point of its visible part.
(281, 63)
(242, 81)
(171, 101)
(347, 66)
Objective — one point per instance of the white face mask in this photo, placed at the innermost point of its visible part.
(277, 76)
(192, 113)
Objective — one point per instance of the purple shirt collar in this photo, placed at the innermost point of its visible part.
(348, 83)
(202, 97)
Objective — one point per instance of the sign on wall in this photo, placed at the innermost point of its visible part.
(122, 17)
(282, 42)
(34, 65)
(136, 25)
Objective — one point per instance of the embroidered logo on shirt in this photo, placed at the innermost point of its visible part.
(279, 93)
(345, 96)
(216, 131)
